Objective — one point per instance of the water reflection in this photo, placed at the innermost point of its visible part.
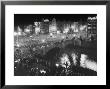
(56, 62)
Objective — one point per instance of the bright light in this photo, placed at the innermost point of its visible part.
(74, 57)
(85, 63)
(65, 60)
(15, 33)
(66, 30)
(82, 60)
(37, 30)
(18, 60)
(43, 40)
(63, 37)
(58, 32)
(51, 34)
(27, 30)
(43, 71)
(46, 20)
(18, 45)
(83, 27)
(91, 65)
(57, 65)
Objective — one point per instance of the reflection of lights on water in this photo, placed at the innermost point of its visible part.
(85, 63)
(74, 57)
(65, 61)
(91, 65)
(82, 60)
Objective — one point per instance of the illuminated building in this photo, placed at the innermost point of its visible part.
(83, 30)
(27, 30)
(53, 27)
(58, 32)
(19, 31)
(92, 25)
(44, 26)
(37, 27)
(66, 28)
(74, 27)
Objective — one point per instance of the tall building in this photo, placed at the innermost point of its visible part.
(53, 26)
(83, 31)
(75, 27)
(19, 31)
(45, 26)
(66, 28)
(28, 30)
(37, 27)
(92, 25)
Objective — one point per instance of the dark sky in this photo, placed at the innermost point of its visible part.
(23, 19)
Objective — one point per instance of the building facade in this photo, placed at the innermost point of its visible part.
(53, 27)
(92, 25)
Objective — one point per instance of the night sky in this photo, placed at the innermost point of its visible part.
(24, 19)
